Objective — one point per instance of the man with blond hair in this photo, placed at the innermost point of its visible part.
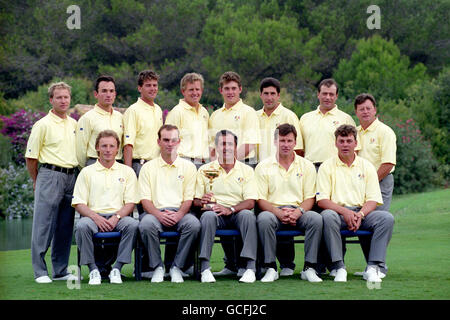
(191, 118)
(105, 195)
(52, 144)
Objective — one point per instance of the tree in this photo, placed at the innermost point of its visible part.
(376, 66)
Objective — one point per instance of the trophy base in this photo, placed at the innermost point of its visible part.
(208, 206)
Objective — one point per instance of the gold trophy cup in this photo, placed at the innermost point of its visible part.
(211, 174)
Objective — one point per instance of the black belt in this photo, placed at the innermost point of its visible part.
(141, 161)
(58, 169)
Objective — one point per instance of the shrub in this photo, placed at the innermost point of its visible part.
(18, 128)
(16, 192)
(416, 169)
(7, 153)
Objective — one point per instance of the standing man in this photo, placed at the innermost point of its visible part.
(52, 143)
(167, 187)
(142, 121)
(105, 195)
(237, 117)
(348, 191)
(318, 126)
(286, 188)
(242, 120)
(378, 145)
(101, 117)
(234, 193)
(270, 117)
(191, 118)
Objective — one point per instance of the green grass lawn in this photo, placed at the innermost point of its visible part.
(418, 259)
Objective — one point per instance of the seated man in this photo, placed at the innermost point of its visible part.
(348, 190)
(228, 204)
(167, 186)
(105, 195)
(286, 189)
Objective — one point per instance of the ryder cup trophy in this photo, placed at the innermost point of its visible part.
(211, 174)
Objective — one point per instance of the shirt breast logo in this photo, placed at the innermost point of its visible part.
(372, 140)
(121, 180)
(237, 117)
(240, 179)
(299, 174)
(361, 176)
(180, 177)
(335, 123)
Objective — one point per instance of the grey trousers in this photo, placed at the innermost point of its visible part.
(150, 228)
(244, 220)
(52, 221)
(381, 223)
(86, 228)
(386, 187)
(310, 223)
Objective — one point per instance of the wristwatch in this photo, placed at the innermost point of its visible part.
(233, 210)
(302, 210)
(362, 215)
(118, 216)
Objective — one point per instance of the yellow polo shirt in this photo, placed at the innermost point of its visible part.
(229, 188)
(268, 124)
(318, 132)
(52, 140)
(104, 190)
(193, 127)
(167, 185)
(240, 119)
(90, 125)
(378, 144)
(283, 187)
(348, 186)
(141, 124)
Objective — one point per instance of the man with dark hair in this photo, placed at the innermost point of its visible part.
(237, 117)
(52, 143)
(191, 118)
(167, 187)
(230, 201)
(318, 126)
(105, 195)
(286, 188)
(101, 117)
(348, 191)
(378, 145)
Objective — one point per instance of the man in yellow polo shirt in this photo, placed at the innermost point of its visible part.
(52, 143)
(101, 117)
(105, 195)
(318, 126)
(232, 196)
(167, 187)
(270, 117)
(348, 191)
(286, 188)
(191, 118)
(237, 117)
(378, 145)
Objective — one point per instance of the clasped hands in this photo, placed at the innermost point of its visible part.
(289, 215)
(218, 208)
(352, 219)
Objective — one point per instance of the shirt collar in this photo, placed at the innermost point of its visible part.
(234, 107)
(163, 163)
(55, 118)
(332, 111)
(339, 162)
(372, 126)
(101, 111)
(100, 167)
(276, 112)
(145, 104)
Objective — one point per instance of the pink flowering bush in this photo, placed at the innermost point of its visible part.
(417, 168)
(18, 128)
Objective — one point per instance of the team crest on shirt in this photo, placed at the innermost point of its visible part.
(372, 140)
(299, 174)
(361, 176)
(180, 177)
(121, 180)
(81, 129)
(240, 179)
(237, 117)
(335, 123)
